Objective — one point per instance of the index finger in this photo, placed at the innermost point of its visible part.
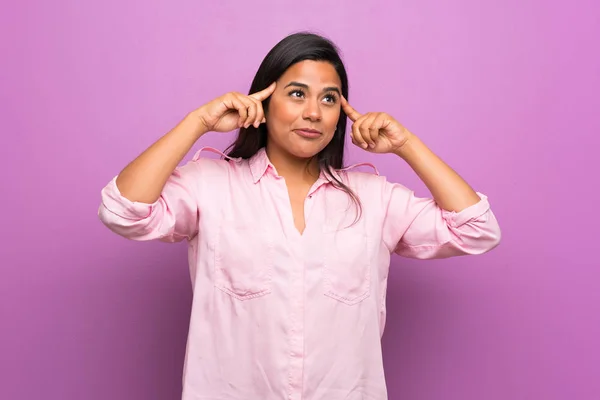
(265, 93)
(350, 112)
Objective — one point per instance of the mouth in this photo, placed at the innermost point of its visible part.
(308, 133)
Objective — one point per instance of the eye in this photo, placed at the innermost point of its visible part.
(330, 98)
(296, 93)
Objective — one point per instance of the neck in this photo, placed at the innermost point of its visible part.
(294, 169)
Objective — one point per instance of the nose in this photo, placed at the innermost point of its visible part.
(312, 111)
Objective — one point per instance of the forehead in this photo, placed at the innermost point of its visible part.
(312, 73)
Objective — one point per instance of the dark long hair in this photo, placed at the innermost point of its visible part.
(289, 51)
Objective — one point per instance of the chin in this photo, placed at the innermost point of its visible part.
(305, 150)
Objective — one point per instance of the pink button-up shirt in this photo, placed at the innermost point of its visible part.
(281, 315)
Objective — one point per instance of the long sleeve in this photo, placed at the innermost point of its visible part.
(418, 228)
(172, 217)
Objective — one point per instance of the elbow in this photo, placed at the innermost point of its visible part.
(488, 238)
(490, 241)
(493, 233)
(477, 237)
(117, 224)
(129, 228)
(132, 220)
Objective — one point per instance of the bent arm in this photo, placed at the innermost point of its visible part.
(152, 198)
(450, 191)
(143, 179)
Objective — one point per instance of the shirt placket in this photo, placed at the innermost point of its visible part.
(297, 290)
(298, 298)
(296, 331)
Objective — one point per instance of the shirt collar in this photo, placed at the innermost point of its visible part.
(260, 164)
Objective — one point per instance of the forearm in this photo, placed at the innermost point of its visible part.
(143, 179)
(449, 190)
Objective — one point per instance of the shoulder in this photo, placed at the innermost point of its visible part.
(368, 186)
(215, 164)
(209, 166)
(367, 179)
(208, 171)
(371, 185)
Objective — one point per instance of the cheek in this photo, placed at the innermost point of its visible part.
(281, 113)
(331, 119)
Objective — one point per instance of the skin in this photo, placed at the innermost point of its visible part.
(380, 133)
(306, 96)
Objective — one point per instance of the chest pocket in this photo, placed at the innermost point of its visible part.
(243, 247)
(243, 260)
(347, 262)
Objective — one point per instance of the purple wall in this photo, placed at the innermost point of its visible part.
(507, 92)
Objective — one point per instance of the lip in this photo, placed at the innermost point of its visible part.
(308, 133)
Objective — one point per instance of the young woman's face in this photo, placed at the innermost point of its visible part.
(304, 109)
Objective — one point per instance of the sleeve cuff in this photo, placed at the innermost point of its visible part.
(456, 219)
(113, 201)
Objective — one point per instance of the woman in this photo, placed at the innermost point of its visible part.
(289, 251)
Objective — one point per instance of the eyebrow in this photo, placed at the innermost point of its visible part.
(305, 86)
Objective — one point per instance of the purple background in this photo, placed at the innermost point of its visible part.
(505, 91)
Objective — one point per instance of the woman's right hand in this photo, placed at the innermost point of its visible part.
(234, 110)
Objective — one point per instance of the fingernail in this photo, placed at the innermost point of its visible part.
(364, 145)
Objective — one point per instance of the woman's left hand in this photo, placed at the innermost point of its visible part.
(376, 132)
